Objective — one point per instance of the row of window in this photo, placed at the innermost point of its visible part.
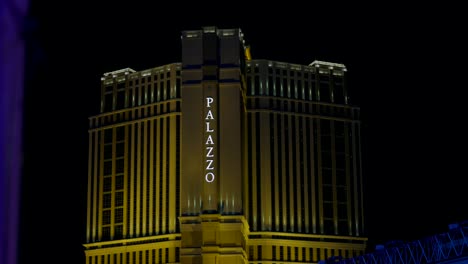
(151, 256)
(301, 107)
(313, 90)
(132, 114)
(323, 91)
(279, 253)
(137, 96)
(142, 80)
(298, 72)
(300, 254)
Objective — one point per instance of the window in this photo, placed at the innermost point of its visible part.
(119, 182)
(340, 176)
(300, 90)
(119, 165)
(343, 228)
(108, 152)
(307, 91)
(107, 184)
(118, 215)
(284, 87)
(106, 217)
(118, 200)
(328, 196)
(118, 233)
(121, 99)
(324, 92)
(108, 136)
(108, 167)
(277, 86)
(326, 157)
(168, 90)
(120, 149)
(136, 97)
(105, 235)
(177, 254)
(338, 94)
(107, 200)
(342, 211)
(329, 229)
(270, 86)
(327, 176)
(108, 102)
(178, 88)
(257, 86)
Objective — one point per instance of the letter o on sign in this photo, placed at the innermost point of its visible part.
(209, 177)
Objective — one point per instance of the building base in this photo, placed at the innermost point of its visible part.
(213, 238)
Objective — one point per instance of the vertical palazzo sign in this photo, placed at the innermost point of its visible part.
(210, 121)
(209, 140)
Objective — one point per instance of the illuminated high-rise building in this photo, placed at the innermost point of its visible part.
(224, 159)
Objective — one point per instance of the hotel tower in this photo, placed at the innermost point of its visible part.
(224, 159)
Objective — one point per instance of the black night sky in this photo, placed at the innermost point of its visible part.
(403, 71)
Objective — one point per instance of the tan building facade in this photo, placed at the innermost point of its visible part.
(223, 159)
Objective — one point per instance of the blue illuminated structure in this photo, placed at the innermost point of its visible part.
(12, 54)
(448, 247)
